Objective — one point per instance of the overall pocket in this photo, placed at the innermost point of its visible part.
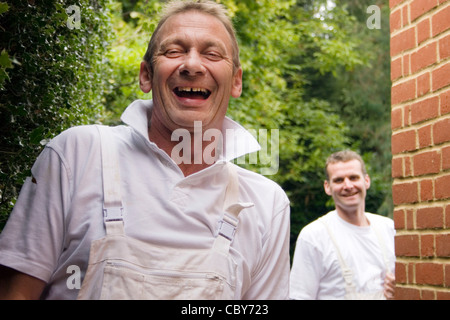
(125, 280)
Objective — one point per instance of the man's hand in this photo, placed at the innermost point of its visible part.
(389, 286)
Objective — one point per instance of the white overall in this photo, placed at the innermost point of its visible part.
(121, 267)
(347, 273)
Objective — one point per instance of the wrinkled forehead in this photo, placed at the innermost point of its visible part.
(182, 26)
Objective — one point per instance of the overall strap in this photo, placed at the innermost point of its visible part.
(112, 199)
(346, 271)
(232, 208)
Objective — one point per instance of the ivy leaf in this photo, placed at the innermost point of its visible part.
(5, 61)
(3, 7)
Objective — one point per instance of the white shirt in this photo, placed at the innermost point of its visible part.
(316, 273)
(55, 219)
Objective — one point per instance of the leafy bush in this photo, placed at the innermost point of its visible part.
(53, 75)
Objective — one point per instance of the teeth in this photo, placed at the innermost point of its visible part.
(188, 89)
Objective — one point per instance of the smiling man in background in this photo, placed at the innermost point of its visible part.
(348, 253)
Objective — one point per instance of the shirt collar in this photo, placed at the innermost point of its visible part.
(237, 140)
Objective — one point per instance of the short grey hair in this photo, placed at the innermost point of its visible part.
(203, 6)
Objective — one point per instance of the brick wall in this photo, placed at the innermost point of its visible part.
(420, 73)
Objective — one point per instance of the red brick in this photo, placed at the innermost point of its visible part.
(408, 167)
(430, 218)
(396, 69)
(442, 295)
(407, 115)
(407, 245)
(423, 30)
(393, 3)
(430, 273)
(405, 16)
(426, 69)
(447, 217)
(396, 118)
(444, 47)
(411, 271)
(395, 20)
(423, 84)
(405, 193)
(439, 21)
(426, 190)
(404, 141)
(424, 57)
(403, 41)
(445, 158)
(427, 245)
(424, 135)
(445, 102)
(425, 110)
(407, 294)
(447, 275)
(401, 275)
(426, 294)
(440, 77)
(443, 245)
(404, 91)
(397, 168)
(399, 219)
(441, 131)
(442, 187)
(406, 64)
(419, 7)
(426, 163)
(410, 219)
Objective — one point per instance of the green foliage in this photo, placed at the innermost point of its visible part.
(52, 77)
(5, 61)
(133, 26)
(361, 97)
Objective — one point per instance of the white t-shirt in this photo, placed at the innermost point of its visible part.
(316, 273)
(59, 212)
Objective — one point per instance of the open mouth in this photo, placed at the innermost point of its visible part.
(192, 93)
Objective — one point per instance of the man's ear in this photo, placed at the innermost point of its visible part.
(327, 188)
(236, 88)
(145, 77)
(367, 181)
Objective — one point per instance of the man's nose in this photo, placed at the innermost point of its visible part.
(347, 183)
(193, 64)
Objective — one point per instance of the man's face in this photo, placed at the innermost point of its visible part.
(193, 76)
(347, 185)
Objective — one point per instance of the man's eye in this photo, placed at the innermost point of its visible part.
(173, 53)
(213, 56)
